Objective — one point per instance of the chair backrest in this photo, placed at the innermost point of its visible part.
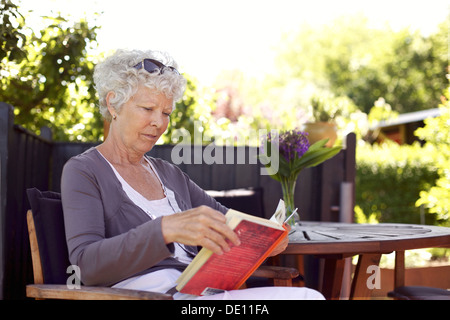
(247, 200)
(47, 216)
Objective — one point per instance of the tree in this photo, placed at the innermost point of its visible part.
(417, 71)
(53, 86)
(11, 37)
(350, 58)
(192, 117)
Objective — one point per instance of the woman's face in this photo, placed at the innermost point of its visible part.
(142, 120)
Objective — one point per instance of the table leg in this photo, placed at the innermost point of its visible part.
(365, 277)
(333, 272)
(399, 271)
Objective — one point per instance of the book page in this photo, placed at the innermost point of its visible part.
(234, 217)
(280, 213)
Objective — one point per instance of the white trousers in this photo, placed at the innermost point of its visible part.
(262, 293)
(163, 280)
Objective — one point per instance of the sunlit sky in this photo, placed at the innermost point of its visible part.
(209, 36)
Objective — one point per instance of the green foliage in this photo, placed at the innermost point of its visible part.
(54, 87)
(349, 58)
(11, 36)
(390, 178)
(351, 62)
(191, 121)
(381, 111)
(437, 134)
(182, 118)
(324, 109)
(360, 217)
(316, 154)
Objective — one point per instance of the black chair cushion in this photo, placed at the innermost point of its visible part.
(49, 223)
(419, 293)
(247, 200)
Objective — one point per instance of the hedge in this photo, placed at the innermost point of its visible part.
(389, 180)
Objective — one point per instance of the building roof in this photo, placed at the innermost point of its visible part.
(410, 117)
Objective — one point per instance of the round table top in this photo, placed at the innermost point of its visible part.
(351, 238)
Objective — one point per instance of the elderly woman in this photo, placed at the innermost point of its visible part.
(133, 221)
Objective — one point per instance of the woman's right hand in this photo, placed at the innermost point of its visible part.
(202, 226)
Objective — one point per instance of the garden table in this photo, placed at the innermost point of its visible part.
(335, 241)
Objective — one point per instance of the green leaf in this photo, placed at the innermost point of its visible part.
(317, 145)
(315, 157)
(316, 154)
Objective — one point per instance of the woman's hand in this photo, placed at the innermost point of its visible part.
(282, 245)
(202, 226)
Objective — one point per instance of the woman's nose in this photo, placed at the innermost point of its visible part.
(157, 120)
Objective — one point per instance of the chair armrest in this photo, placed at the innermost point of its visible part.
(53, 291)
(274, 272)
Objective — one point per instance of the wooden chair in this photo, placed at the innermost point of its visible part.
(402, 292)
(248, 200)
(50, 258)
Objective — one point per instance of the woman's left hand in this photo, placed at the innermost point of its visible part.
(282, 245)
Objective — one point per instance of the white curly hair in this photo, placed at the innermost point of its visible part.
(117, 74)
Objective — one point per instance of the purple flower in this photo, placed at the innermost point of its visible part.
(291, 144)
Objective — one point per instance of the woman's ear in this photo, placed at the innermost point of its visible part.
(111, 95)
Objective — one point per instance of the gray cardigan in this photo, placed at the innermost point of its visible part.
(108, 236)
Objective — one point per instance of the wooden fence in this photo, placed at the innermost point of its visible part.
(323, 193)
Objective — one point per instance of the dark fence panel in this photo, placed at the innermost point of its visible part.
(28, 166)
(63, 151)
(6, 123)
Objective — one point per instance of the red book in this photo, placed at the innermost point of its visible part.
(210, 273)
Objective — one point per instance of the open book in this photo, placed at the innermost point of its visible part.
(209, 273)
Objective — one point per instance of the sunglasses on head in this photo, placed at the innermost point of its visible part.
(152, 66)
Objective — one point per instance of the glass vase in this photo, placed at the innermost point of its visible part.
(288, 189)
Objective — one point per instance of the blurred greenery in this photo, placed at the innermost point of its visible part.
(347, 62)
(436, 133)
(389, 180)
(349, 58)
(47, 77)
(407, 183)
(369, 74)
(192, 120)
(53, 86)
(11, 36)
(325, 109)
